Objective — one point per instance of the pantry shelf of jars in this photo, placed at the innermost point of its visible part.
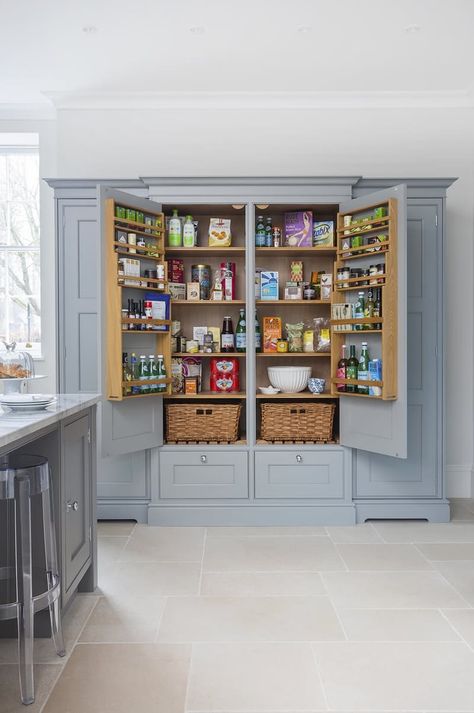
(305, 331)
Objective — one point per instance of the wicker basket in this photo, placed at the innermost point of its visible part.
(203, 422)
(297, 422)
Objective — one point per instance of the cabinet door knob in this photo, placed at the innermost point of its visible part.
(72, 505)
(203, 459)
(299, 459)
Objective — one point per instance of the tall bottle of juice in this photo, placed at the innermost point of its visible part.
(258, 334)
(364, 368)
(241, 333)
(352, 370)
(175, 238)
(341, 369)
(227, 335)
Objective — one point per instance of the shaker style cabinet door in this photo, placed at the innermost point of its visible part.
(376, 419)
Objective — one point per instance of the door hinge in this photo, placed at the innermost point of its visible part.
(88, 435)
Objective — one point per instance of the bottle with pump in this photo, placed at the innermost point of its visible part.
(189, 233)
(175, 239)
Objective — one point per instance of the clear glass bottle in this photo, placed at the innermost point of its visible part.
(152, 371)
(241, 333)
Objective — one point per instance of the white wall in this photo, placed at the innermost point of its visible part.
(373, 143)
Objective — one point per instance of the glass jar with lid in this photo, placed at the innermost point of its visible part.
(15, 364)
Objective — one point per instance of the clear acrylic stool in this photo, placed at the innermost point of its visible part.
(22, 477)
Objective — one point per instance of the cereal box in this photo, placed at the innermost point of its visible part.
(299, 229)
(323, 234)
(271, 333)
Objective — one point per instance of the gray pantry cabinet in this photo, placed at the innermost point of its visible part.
(389, 462)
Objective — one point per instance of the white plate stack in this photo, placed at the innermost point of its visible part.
(26, 402)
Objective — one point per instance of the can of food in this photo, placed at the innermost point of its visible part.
(276, 236)
(202, 274)
(282, 345)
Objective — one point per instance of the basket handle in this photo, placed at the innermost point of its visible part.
(204, 412)
(297, 410)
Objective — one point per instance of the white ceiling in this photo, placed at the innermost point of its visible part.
(138, 46)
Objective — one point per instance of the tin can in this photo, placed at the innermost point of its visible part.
(276, 236)
(202, 274)
(282, 345)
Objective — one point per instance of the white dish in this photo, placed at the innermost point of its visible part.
(21, 399)
(27, 408)
(289, 379)
(268, 390)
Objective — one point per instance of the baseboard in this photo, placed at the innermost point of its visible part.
(460, 481)
(252, 515)
(122, 510)
(432, 510)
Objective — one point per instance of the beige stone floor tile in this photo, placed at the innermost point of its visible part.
(152, 578)
(118, 678)
(45, 676)
(73, 621)
(396, 625)
(251, 554)
(383, 557)
(164, 544)
(266, 531)
(115, 528)
(354, 534)
(463, 622)
(448, 551)
(254, 584)
(124, 619)
(411, 532)
(460, 575)
(397, 676)
(253, 677)
(109, 549)
(391, 590)
(249, 619)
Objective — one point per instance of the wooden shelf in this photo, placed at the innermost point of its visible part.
(140, 250)
(363, 251)
(361, 396)
(154, 322)
(131, 226)
(209, 250)
(287, 250)
(142, 396)
(217, 303)
(207, 355)
(207, 395)
(140, 256)
(379, 224)
(162, 290)
(362, 320)
(293, 354)
(293, 302)
(145, 382)
(300, 395)
(142, 278)
(357, 331)
(356, 382)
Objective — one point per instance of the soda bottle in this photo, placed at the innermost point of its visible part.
(227, 335)
(369, 309)
(268, 232)
(363, 371)
(359, 309)
(134, 372)
(258, 335)
(143, 374)
(341, 369)
(161, 373)
(152, 373)
(241, 333)
(260, 232)
(352, 370)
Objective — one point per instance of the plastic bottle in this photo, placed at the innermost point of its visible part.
(175, 239)
(189, 233)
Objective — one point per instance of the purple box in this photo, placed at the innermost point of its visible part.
(299, 229)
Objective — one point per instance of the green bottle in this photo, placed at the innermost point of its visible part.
(161, 373)
(352, 369)
(369, 309)
(359, 310)
(364, 368)
(175, 238)
(241, 333)
(258, 335)
(134, 372)
(152, 373)
(143, 374)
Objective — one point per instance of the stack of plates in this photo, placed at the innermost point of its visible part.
(26, 402)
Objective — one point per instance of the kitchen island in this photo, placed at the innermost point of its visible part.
(64, 433)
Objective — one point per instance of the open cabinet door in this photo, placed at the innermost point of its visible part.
(379, 424)
(127, 423)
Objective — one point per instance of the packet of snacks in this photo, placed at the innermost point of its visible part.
(192, 366)
(219, 232)
(224, 374)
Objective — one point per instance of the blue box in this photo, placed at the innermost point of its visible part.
(269, 286)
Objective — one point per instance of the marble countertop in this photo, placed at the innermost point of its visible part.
(17, 425)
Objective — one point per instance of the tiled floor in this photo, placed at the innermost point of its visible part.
(378, 617)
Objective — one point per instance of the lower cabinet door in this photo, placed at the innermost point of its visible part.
(289, 474)
(76, 468)
(203, 474)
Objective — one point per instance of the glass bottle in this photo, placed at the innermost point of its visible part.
(359, 309)
(363, 372)
(268, 232)
(260, 232)
(241, 333)
(143, 374)
(175, 239)
(126, 376)
(161, 373)
(352, 369)
(258, 334)
(341, 369)
(227, 335)
(152, 373)
(378, 307)
(369, 309)
(134, 372)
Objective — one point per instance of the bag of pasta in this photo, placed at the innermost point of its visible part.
(295, 336)
(322, 334)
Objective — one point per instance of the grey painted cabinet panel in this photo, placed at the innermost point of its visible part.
(309, 474)
(203, 475)
(76, 463)
(420, 474)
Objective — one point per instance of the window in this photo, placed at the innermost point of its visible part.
(20, 306)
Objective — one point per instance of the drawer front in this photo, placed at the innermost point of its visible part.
(283, 474)
(203, 475)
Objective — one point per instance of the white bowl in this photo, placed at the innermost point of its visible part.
(268, 390)
(289, 379)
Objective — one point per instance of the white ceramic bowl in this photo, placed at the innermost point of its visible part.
(268, 390)
(289, 379)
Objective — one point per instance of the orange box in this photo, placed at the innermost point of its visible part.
(271, 333)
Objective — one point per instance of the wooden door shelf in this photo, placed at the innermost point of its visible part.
(208, 355)
(222, 303)
(364, 320)
(358, 228)
(131, 226)
(145, 382)
(279, 355)
(293, 302)
(139, 250)
(205, 250)
(363, 251)
(140, 256)
(288, 250)
(154, 322)
(208, 395)
(299, 395)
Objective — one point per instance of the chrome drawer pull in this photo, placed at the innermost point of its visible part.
(299, 459)
(72, 506)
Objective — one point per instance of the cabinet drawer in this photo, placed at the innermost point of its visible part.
(305, 474)
(203, 474)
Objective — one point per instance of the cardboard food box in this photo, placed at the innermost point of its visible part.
(323, 234)
(177, 290)
(269, 286)
(198, 334)
(296, 271)
(271, 333)
(176, 270)
(299, 229)
(192, 291)
(326, 286)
